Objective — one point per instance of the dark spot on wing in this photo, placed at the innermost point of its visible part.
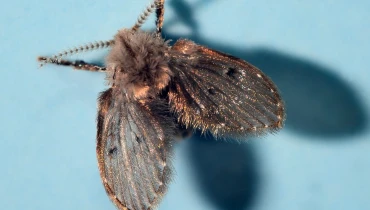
(211, 91)
(231, 72)
(138, 139)
(112, 152)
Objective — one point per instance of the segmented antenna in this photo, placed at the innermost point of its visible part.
(75, 50)
(160, 15)
(142, 18)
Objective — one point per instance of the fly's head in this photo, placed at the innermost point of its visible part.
(138, 64)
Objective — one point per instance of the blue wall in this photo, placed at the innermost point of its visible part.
(316, 51)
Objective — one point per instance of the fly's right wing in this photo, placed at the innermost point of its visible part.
(221, 93)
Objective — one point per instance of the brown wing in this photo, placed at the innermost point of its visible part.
(221, 93)
(133, 147)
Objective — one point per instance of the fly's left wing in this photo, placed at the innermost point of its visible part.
(221, 93)
(133, 148)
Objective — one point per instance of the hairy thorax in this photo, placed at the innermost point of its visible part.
(138, 64)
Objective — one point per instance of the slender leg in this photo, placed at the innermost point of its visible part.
(160, 15)
(78, 64)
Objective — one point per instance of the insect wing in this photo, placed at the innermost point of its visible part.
(133, 147)
(221, 93)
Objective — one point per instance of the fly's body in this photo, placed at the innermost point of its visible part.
(155, 88)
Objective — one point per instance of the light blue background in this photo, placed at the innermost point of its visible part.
(316, 51)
